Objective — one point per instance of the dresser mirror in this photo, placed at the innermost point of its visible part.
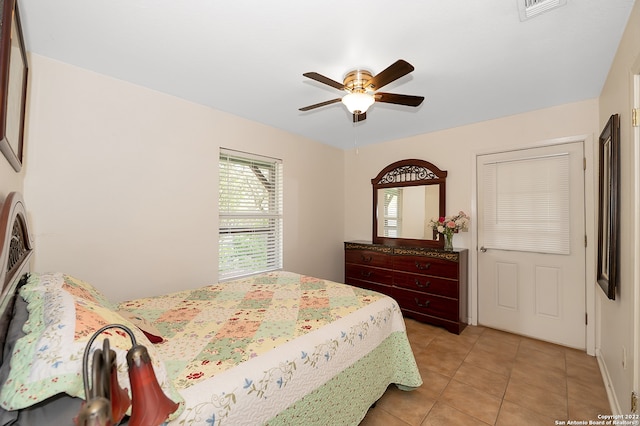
(407, 194)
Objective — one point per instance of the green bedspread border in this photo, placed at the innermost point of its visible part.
(346, 398)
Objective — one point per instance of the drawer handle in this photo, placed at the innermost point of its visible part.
(423, 266)
(425, 285)
(423, 305)
(365, 274)
(366, 259)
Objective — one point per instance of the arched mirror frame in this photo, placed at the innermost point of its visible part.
(405, 173)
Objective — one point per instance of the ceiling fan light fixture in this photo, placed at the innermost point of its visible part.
(362, 87)
(357, 101)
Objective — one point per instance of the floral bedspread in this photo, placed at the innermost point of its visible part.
(274, 328)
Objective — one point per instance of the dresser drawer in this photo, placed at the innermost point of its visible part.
(367, 273)
(367, 257)
(380, 288)
(427, 304)
(427, 284)
(426, 265)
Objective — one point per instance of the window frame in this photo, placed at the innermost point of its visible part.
(250, 209)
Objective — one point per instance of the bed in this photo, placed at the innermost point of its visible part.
(274, 348)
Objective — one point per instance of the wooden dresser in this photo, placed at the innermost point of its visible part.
(429, 284)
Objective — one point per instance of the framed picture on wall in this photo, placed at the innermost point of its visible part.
(13, 83)
(608, 212)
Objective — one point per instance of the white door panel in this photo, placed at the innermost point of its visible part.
(506, 281)
(527, 292)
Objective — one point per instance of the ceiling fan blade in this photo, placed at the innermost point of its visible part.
(322, 79)
(359, 117)
(394, 98)
(321, 104)
(398, 69)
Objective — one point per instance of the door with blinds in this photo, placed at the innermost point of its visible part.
(531, 240)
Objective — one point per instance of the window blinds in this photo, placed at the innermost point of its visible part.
(392, 202)
(250, 208)
(526, 205)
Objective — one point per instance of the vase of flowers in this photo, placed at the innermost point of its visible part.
(450, 225)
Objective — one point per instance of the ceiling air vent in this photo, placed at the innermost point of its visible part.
(530, 8)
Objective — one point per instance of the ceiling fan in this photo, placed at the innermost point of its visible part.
(361, 87)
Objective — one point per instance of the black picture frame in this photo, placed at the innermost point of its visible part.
(14, 69)
(608, 201)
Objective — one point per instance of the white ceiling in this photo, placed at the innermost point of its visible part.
(474, 60)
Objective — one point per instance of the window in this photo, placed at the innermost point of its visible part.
(250, 207)
(392, 212)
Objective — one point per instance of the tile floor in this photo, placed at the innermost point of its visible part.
(489, 377)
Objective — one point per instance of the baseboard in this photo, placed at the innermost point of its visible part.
(608, 385)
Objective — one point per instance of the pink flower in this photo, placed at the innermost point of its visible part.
(450, 224)
(195, 376)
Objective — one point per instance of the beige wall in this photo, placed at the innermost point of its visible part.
(9, 179)
(122, 185)
(619, 332)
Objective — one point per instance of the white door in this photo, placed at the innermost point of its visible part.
(531, 239)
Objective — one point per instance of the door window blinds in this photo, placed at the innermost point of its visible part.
(250, 208)
(526, 205)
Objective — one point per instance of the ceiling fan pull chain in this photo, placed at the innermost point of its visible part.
(355, 137)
